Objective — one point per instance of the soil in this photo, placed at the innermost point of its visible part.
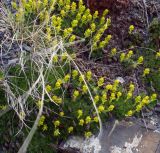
(123, 13)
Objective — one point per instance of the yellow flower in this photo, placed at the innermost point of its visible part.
(61, 114)
(129, 55)
(56, 123)
(102, 20)
(59, 21)
(14, 5)
(94, 46)
(105, 12)
(74, 74)
(61, 2)
(45, 3)
(78, 17)
(81, 122)
(109, 87)
(88, 119)
(75, 94)
(129, 113)
(96, 38)
(96, 98)
(74, 23)
(100, 82)
(84, 18)
(138, 107)
(116, 83)
(108, 38)
(72, 38)
(84, 89)
(129, 95)
(131, 28)
(45, 127)
(57, 99)
(67, 31)
(89, 18)
(39, 103)
(63, 13)
(88, 134)
(108, 23)
(113, 51)
(67, 2)
(101, 31)
(158, 54)
(104, 97)
(87, 12)
(39, 3)
(48, 29)
(146, 71)
(64, 56)
(55, 59)
(131, 87)
(119, 94)
(67, 7)
(56, 133)
(140, 60)
(73, 7)
(4, 107)
(48, 88)
(145, 100)
(58, 84)
(81, 9)
(96, 119)
(111, 107)
(95, 15)
(101, 108)
(93, 27)
(67, 77)
(41, 120)
(122, 57)
(153, 97)
(80, 2)
(70, 129)
(138, 99)
(87, 33)
(80, 113)
(112, 96)
(81, 77)
(19, 15)
(89, 75)
(58, 28)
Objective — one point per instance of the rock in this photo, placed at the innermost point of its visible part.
(120, 79)
(131, 137)
(149, 143)
(67, 150)
(27, 48)
(157, 109)
(13, 61)
(90, 145)
(148, 114)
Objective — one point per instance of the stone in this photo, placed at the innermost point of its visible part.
(150, 142)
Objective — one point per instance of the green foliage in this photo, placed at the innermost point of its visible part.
(71, 21)
(155, 31)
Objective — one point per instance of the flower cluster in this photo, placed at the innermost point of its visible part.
(57, 23)
(76, 109)
(69, 93)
